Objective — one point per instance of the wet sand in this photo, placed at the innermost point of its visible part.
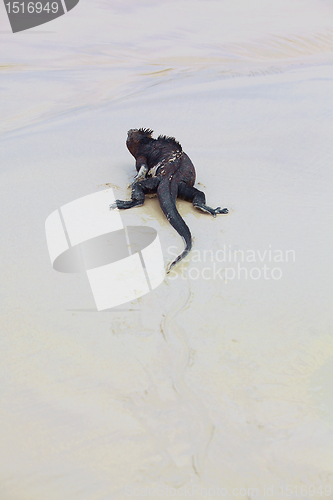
(219, 378)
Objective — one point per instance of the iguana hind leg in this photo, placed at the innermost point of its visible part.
(139, 190)
(198, 199)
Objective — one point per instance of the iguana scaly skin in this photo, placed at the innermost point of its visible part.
(165, 169)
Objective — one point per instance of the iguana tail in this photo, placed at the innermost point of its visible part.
(167, 195)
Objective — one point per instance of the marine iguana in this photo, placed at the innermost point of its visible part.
(164, 168)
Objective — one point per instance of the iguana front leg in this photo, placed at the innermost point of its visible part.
(142, 168)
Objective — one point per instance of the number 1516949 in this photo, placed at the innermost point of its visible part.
(32, 8)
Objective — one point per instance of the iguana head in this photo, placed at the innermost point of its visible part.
(135, 137)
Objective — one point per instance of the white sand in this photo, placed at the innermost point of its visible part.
(201, 383)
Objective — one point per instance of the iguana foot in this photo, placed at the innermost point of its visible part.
(220, 210)
(136, 179)
(212, 211)
(123, 205)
